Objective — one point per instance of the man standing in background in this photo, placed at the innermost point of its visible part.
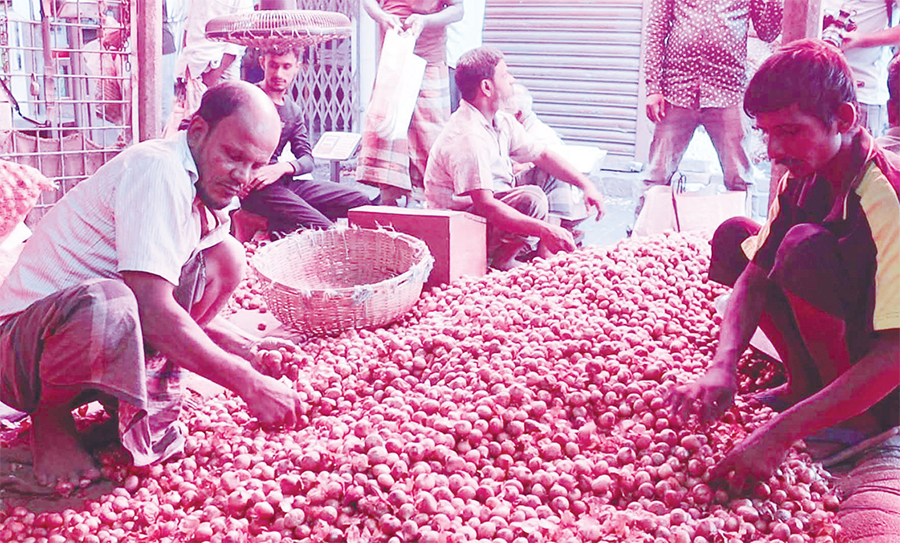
(866, 53)
(695, 69)
(202, 62)
(397, 165)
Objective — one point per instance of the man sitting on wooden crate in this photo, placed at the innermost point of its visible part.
(565, 201)
(138, 256)
(821, 277)
(277, 193)
(470, 167)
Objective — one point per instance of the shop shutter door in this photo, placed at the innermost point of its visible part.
(581, 60)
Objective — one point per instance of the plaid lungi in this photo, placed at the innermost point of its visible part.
(401, 162)
(87, 338)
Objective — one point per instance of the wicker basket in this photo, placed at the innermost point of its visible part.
(274, 28)
(323, 281)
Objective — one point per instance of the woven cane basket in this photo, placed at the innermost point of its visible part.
(324, 281)
(274, 28)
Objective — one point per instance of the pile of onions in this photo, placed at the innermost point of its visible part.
(520, 407)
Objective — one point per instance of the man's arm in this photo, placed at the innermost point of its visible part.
(713, 393)
(659, 22)
(859, 388)
(294, 132)
(171, 330)
(211, 77)
(504, 217)
(553, 163)
(299, 140)
(888, 36)
(384, 19)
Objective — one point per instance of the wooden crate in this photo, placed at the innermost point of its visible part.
(457, 240)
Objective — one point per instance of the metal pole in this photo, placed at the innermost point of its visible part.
(49, 72)
(802, 19)
(149, 61)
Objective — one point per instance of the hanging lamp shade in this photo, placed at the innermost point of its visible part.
(279, 28)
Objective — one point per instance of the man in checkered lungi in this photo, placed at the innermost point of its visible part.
(398, 165)
(138, 257)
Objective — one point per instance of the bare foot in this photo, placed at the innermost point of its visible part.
(57, 452)
(505, 256)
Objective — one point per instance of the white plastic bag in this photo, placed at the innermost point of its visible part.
(397, 85)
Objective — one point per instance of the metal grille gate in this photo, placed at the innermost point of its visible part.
(65, 99)
(330, 84)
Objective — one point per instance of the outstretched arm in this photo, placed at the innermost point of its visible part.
(452, 12)
(557, 166)
(713, 393)
(171, 330)
(856, 40)
(384, 19)
(859, 388)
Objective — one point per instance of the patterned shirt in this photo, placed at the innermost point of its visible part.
(696, 51)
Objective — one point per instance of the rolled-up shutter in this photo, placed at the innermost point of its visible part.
(581, 61)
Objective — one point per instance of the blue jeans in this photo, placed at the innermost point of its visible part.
(673, 135)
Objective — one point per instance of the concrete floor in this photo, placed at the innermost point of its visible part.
(620, 189)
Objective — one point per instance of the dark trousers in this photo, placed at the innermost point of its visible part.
(808, 269)
(291, 203)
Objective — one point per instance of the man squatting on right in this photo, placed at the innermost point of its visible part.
(821, 277)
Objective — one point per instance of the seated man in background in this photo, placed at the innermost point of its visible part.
(138, 255)
(821, 277)
(470, 166)
(276, 192)
(564, 202)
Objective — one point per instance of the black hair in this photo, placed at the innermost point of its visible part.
(810, 73)
(474, 67)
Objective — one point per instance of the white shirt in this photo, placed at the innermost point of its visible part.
(465, 34)
(869, 64)
(136, 213)
(200, 54)
(473, 153)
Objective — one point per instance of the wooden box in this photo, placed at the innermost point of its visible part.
(457, 240)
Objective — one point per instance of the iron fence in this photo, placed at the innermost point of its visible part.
(65, 87)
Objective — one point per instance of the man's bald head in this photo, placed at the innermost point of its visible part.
(231, 97)
(232, 135)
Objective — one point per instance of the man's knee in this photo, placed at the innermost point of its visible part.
(532, 201)
(728, 260)
(225, 262)
(114, 296)
(803, 246)
(56, 339)
(808, 265)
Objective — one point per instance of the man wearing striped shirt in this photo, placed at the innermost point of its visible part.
(138, 256)
(821, 278)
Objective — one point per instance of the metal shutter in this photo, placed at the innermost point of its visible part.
(581, 60)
